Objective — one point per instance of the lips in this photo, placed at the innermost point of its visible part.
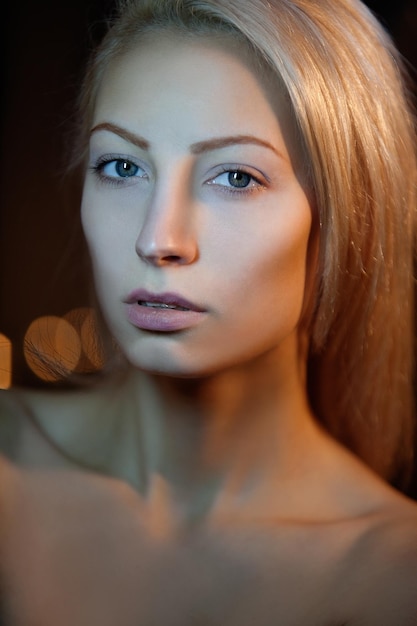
(163, 300)
(161, 305)
(162, 312)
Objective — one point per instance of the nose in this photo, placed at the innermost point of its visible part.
(167, 235)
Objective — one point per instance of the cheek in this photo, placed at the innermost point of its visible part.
(267, 261)
(91, 224)
(106, 237)
(104, 250)
(259, 292)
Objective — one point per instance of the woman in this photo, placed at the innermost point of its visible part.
(248, 203)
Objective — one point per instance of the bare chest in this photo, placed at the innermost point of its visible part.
(77, 550)
(94, 573)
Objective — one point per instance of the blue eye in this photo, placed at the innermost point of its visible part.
(233, 178)
(120, 168)
(114, 170)
(236, 180)
(126, 169)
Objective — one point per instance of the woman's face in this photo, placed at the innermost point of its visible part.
(194, 208)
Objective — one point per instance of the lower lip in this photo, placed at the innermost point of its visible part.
(162, 319)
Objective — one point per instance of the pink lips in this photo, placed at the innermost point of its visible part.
(162, 312)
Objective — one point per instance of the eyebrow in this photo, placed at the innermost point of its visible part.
(196, 148)
(224, 142)
(136, 140)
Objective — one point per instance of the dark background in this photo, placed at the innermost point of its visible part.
(44, 46)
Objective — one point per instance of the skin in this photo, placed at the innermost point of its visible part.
(179, 223)
(228, 503)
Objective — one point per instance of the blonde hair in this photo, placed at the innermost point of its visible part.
(343, 80)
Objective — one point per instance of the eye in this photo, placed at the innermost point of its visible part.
(119, 168)
(237, 180)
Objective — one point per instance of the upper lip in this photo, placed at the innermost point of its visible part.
(173, 299)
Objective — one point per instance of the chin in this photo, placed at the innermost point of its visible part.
(183, 371)
(186, 367)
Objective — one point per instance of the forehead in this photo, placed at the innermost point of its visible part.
(184, 85)
(170, 48)
(165, 61)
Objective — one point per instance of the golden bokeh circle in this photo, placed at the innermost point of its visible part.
(52, 347)
(84, 320)
(5, 362)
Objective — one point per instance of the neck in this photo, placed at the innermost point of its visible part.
(226, 433)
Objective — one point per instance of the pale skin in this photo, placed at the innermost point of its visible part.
(228, 503)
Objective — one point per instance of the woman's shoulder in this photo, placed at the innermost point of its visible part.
(10, 423)
(360, 571)
(363, 550)
(32, 419)
(379, 569)
(369, 545)
(381, 565)
(368, 563)
(18, 401)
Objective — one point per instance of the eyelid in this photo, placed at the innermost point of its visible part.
(109, 158)
(239, 167)
(100, 163)
(261, 180)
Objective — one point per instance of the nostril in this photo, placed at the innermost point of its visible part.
(171, 258)
(180, 254)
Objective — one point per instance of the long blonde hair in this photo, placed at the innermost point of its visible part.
(343, 80)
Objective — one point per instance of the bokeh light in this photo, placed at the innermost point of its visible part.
(5, 362)
(55, 347)
(84, 320)
(52, 348)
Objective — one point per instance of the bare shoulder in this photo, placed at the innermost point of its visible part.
(380, 572)
(33, 421)
(21, 411)
(8, 478)
(10, 422)
(358, 561)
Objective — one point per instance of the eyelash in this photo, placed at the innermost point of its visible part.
(237, 169)
(115, 181)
